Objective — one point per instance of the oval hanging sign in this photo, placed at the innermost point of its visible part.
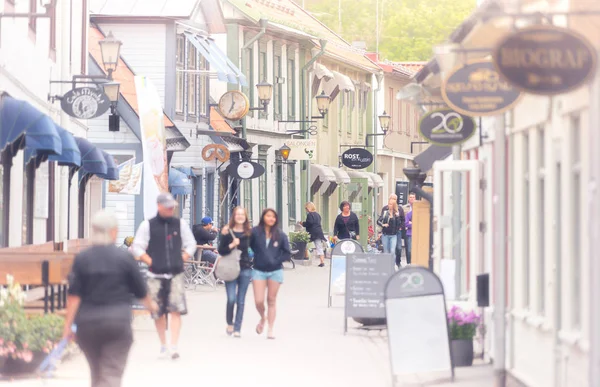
(245, 170)
(357, 158)
(446, 127)
(85, 103)
(476, 89)
(545, 60)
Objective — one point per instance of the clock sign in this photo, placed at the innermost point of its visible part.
(234, 105)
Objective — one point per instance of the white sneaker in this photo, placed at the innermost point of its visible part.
(164, 353)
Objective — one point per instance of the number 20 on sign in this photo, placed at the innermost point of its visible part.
(446, 127)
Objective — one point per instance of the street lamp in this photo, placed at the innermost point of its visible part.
(110, 48)
(323, 101)
(111, 90)
(265, 91)
(285, 152)
(384, 122)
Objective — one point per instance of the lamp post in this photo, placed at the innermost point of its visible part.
(110, 49)
(284, 151)
(265, 91)
(111, 89)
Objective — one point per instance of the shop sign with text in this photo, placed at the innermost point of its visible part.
(446, 127)
(476, 89)
(302, 149)
(357, 158)
(545, 60)
(85, 103)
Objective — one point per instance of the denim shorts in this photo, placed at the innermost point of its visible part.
(276, 275)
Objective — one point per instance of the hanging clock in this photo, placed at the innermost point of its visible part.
(234, 105)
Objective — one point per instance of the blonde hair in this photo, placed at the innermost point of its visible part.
(394, 207)
(310, 206)
(102, 225)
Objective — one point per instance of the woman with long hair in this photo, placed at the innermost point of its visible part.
(391, 221)
(271, 248)
(346, 224)
(239, 224)
(102, 281)
(314, 228)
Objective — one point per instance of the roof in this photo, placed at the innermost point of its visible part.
(218, 123)
(143, 8)
(407, 69)
(412, 66)
(289, 14)
(124, 74)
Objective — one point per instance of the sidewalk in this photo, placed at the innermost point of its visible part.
(310, 348)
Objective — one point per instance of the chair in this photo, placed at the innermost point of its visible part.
(199, 272)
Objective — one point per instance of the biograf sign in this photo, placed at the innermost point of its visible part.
(302, 149)
(476, 89)
(446, 127)
(85, 103)
(357, 158)
(545, 60)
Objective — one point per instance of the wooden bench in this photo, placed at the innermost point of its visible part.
(75, 246)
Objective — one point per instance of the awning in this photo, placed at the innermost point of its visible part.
(112, 169)
(339, 82)
(361, 175)
(92, 158)
(220, 63)
(321, 73)
(179, 183)
(377, 180)
(70, 156)
(322, 177)
(188, 171)
(23, 126)
(341, 176)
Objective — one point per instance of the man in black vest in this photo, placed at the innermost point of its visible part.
(164, 243)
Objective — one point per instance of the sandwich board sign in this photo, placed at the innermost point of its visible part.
(366, 278)
(337, 270)
(418, 332)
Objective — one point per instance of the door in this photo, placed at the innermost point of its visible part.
(457, 237)
(357, 193)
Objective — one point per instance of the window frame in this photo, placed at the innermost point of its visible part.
(180, 76)
(277, 85)
(187, 57)
(291, 86)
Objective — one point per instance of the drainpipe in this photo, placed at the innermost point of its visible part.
(379, 78)
(263, 30)
(303, 112)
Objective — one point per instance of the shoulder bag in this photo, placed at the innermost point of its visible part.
(228, 266)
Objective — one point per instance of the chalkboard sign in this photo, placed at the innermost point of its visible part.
(137, 305)
(366, 277)
(337, 269)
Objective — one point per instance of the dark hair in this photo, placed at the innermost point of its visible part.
(247, 225)
(412, 193)
(344, 204)
(275, 228)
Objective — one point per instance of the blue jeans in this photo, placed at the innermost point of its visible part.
(408, 247)
(389, 243)
(236, 294)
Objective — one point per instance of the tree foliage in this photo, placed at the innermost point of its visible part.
(409, 29)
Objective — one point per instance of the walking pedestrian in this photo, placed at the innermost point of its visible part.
(101, 283)
(164, 243)
(239, 224)
(346, 224)
(391, 221)
(271, 248)
(408, 223)
(314, 228)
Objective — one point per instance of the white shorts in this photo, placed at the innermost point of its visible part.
(319, 248)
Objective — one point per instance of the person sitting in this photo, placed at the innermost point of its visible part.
(205, 233)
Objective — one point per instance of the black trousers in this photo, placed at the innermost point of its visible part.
(106, 346)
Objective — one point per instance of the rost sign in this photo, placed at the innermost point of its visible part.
(545, 60)
(357, 158)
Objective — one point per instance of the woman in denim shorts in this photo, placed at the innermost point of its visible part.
(271, 248)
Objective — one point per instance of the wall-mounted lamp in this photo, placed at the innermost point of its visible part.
(265, 91)
(323, 102)
(384, 122)
(110, 49)
(111, 90)
(284, 151)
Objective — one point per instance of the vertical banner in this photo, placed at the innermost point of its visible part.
(154, 145)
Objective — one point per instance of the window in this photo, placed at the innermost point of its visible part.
(526, 226)
(541, 283)
(349, 111)
(341, 105)
(32, 20)
(291, 85)
(203, 87)
(277, 85)
(180, 65)
(576, 230)
(249, 72)
(192, 80)
(262, 186)
(248, 197)
(291, 177)
(262, 66)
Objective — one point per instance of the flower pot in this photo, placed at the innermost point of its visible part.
(301, 254)
(19, 366)
(462, 352)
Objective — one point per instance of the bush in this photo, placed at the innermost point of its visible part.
(463, 326)
(300, 236)
(20, 335)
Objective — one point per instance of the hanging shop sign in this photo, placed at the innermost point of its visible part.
(215, 152)
(302, 149)
(446, 127)
(85, 103)
(245, 170)
(357, 158)
(546, 60)
(476, 89)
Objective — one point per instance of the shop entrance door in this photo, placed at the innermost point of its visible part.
(357, 193)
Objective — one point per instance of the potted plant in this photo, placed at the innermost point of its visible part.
(463, 327)
(24, 340)
(300, 239)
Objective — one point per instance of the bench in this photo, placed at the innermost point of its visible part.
(74, 246)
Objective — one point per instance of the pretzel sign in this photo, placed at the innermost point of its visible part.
(215, 151)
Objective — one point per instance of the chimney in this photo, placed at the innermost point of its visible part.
(360, 45)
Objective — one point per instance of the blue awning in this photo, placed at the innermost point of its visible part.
(219, 62)
(70, 156)
(186, 170)
(112, 169)
(92, 158)
(179, 184)
(23, 126)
